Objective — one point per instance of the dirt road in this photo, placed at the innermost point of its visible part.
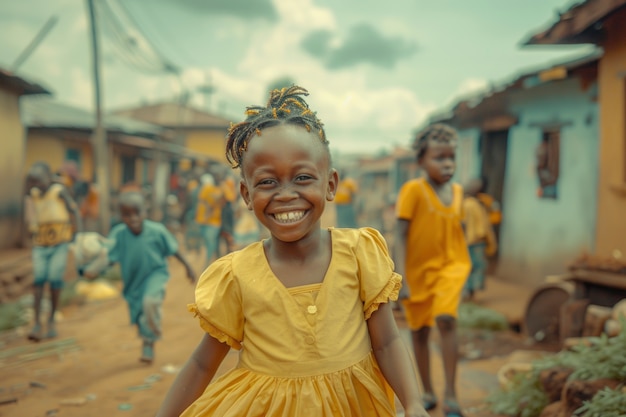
(92, 369)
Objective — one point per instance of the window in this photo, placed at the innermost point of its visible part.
(73, 155)
(548, 163)
(128, 169)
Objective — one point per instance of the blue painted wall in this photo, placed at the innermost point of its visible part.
(468, 159)
(539, 237)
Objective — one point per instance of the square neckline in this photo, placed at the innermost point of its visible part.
(305, 287)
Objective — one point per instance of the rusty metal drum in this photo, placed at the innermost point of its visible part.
(542, 315)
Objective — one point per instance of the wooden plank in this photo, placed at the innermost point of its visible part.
(607, 279)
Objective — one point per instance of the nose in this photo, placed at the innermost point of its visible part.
(286, 192)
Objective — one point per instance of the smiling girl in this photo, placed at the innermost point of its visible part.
(308, 309)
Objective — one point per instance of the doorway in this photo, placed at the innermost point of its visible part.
(494, 145)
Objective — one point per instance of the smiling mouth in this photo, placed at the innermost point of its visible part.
(289, 216)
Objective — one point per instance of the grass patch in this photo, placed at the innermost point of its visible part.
(474, 316)
(12, 315)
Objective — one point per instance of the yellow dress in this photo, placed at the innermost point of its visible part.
(304, 351)
(437, 259)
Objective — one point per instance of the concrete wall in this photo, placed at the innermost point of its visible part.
(468, 158)
(11, 169)
(41, 146)
(541, 236)
(208, 142)
(611, 229)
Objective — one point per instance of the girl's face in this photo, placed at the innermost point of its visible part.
(439, 161)
(287, 180)
(132, 215)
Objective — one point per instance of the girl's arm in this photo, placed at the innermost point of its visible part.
(194, 376)
(399, 251)
(394, 360)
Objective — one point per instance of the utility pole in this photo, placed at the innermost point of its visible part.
(99, 140)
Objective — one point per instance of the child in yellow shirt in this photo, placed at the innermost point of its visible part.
(432, 255)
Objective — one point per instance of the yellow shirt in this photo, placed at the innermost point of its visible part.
(304, 351)
(210, 202)
(229, 190)
(435, 248)
(346, 189)
(51, 222)
(478, 228)
(475, 220)
(493, 212)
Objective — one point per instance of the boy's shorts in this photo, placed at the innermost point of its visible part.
(442, 299)
(49, 263)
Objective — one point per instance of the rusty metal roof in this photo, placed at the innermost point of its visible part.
(19, 85)
(581, 23)
(494, 101)
(44, 112)
(174, 115)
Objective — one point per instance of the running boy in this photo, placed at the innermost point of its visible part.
(55, 220)
(431, 255)
(141, 248)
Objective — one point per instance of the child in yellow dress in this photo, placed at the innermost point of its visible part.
(308, 309)
(431, 253)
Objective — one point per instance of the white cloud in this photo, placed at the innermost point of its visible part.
(469, 87)
(81, 89)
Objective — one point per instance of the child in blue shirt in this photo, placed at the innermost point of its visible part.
(141, 247)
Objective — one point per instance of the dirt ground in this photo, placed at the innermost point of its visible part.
(92, 368)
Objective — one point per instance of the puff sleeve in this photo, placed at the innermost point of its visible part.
(218, 303)
(378, 281)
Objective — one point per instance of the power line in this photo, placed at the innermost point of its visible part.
(162, 28)
(129, 42)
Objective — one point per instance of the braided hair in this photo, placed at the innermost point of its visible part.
(285, 106)
(438, 132)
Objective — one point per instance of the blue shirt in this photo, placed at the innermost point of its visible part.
(142, 258)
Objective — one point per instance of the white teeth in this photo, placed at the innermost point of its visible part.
(291, 216)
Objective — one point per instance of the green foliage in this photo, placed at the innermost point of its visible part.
(524, 398)
(606, 403)
(605, 358)
(476, 317)
(12, 315)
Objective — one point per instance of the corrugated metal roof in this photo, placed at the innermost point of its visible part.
(174, 115)
(49, 113)
(20, 85)
(497, 92)
(578, 24)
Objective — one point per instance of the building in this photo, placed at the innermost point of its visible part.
(139, 153)
(535, 140)
(603, 23)
(200, 132)
(12, 161)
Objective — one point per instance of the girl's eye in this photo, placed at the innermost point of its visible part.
(266, 182)
(303, 177)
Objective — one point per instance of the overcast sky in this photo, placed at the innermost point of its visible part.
(375, 69)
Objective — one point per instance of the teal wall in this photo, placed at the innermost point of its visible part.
(538, 236)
